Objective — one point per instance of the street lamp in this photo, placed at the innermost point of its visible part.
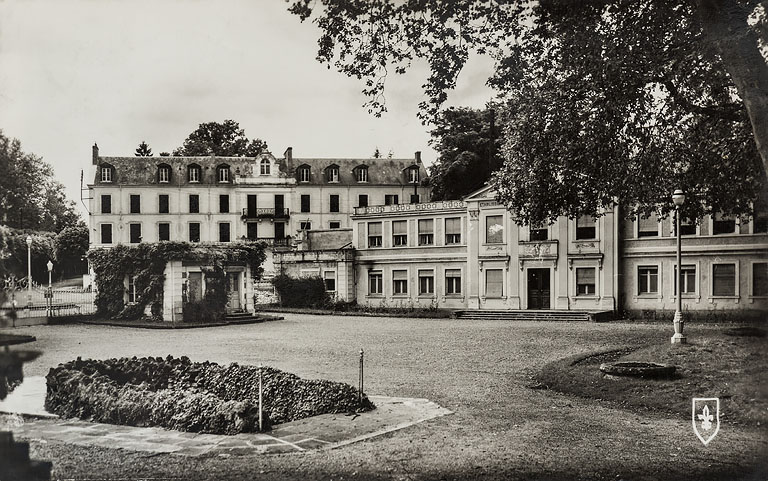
(678, 198)
(29, 270)
(49, 294)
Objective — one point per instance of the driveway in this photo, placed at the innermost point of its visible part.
(478, 369)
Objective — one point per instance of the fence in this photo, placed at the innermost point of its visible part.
(39, 301)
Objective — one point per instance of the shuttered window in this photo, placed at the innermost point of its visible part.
(723, 279)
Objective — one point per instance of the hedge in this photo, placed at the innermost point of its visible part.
(301, 292)
(183, 395)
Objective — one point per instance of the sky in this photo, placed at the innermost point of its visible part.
(118, 72)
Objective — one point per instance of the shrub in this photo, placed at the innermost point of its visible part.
(197, 397)
(301, 292)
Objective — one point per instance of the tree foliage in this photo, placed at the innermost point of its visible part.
(224, 139)
(604, 100)
(143, 150)
(30, 197)
(466, 141)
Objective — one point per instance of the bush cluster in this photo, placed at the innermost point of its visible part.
(198, 397)
(301, 292)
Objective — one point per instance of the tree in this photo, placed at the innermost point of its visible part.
(466, 141)
(71, 247)
(143, 150)
(30, 198)
(605, 99)
(377, 153)
(225, 139)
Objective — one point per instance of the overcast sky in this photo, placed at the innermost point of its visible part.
(118, 72)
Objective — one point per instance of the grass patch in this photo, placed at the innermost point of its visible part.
(735, 369)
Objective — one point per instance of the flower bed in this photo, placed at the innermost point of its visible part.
(199, 397)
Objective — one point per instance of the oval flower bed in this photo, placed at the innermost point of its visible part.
(177, 393)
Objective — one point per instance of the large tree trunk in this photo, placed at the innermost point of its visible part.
(725, 24)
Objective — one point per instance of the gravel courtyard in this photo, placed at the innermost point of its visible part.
(479, 369)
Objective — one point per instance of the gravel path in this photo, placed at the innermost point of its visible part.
(478, 369)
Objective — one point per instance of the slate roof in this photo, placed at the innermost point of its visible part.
(380, 171)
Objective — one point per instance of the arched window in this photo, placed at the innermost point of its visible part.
(163, 173)
(361, 173)
(304, 173)
(332, 173)
(106, 173)
(222, 173)
(193, 173)
(264, 166)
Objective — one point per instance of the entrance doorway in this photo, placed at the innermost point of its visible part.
(233, 291)
(538, 288)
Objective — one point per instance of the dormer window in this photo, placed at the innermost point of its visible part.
(222, 173)
(413, 175)
(304, 173)
(333, 173)
(107, 172)
(194, 174)
(163, 173)
(361, 173)
(264, 167)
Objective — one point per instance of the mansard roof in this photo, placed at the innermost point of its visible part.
(380, 171)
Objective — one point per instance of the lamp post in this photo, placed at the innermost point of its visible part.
(678, 198)
(49, 294)
(29, 270)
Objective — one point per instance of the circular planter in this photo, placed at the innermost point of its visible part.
(637, 369)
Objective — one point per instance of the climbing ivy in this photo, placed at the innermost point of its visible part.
(146, 263)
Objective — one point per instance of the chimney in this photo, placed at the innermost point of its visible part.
(95, 154)
(288, 154)
(417, 155)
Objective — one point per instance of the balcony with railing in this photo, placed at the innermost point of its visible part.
(266, 213)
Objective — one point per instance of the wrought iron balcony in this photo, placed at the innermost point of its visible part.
(266, 213)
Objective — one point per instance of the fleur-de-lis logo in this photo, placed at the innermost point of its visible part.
(706, 418)
(706, 424)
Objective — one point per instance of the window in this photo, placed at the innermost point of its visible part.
(760, 217)
(689, 280)
(135, 233)
(135, 204)
(723, 279)
(224, 203)
(224, 232)
(106, 204)
(361, 174)
(252, 231)
(264, 167)
(334, 203)
(413, 175)
(194, 173)
(332, 173)
(585, 227)
(400, 282)
(585, 281)
(329, 277)
(164, 174)
(223, 173)
(453, 281)
(163, 231)
(305, 225)
(722, 224)
(374, 234)
(106, 233)
(494, 230)
(538, 233)
(648, 227)
(194, 232)
(426, 232)
(304, 174)
(194, 204)
(647, 280)
(131, 290)
(453, 230)
(390, 199)
(305, 202)
(362, 200)
(414, 198)
(760, 279)
(375, 282)
(426, 282)
(687, 227)
(106, 173)
(399, 233)
(162, 204)
(494, 283)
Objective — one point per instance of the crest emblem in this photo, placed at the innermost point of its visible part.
(706, 418)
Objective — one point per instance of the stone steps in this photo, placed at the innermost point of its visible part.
(529, 315)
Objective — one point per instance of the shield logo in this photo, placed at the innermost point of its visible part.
(706, 418)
